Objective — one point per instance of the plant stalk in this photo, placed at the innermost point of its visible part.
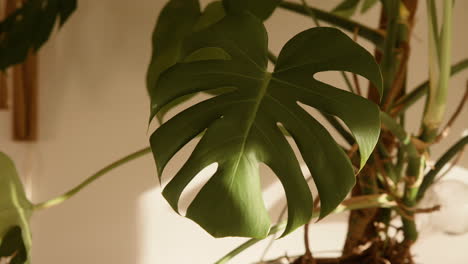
(355, 203)
(370, 34)
(414, 173)
(389, 60)
(439, 69)
(417, 93)
(444, 159)
(62, 198)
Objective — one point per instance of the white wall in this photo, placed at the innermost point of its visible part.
(94, 110)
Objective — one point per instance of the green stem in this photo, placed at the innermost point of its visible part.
(311, 13)
(433, 24)
(365, 32)
(444, 159)
(355, 203)
(275, 229)
(272, 57)
(414, 176)
(417, 93)
(389, 60)
(396, 129)
(389, 168)
(414, 173)
(62, 198)
(439, 77)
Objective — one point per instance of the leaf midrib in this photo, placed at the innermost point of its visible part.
(250, 121)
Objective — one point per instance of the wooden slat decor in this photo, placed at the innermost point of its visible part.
(3, 77)
(25, 100)
(3, 91)
(24, 89)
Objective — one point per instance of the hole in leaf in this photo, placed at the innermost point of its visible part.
(273, 192)
(194, 187)
(177, 161)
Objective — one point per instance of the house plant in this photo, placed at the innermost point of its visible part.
(280, 56)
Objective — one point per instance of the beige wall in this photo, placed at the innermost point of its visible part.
(93, 110)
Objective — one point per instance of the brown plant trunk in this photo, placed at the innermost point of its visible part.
(364, 225)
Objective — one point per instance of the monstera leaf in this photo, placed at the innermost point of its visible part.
(15, 208)
(29, 27)
(12, 247)
(241, 127)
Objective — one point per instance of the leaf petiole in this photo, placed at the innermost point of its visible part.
(355, 203)
(62, 198)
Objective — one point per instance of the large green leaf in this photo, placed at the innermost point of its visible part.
(241, 125)
(29, 27)
(12, 247)
(15, 209)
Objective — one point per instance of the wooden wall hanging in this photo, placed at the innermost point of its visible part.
(3, 91)
(23, 81)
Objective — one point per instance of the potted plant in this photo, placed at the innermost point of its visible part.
(381, 174)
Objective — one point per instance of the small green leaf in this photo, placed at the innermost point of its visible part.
(346, 8)
(15, 208)
(12, 246)
(241, 126)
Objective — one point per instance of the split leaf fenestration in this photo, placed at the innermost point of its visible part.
(29, 27)
(241, 125)
(15, 208)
